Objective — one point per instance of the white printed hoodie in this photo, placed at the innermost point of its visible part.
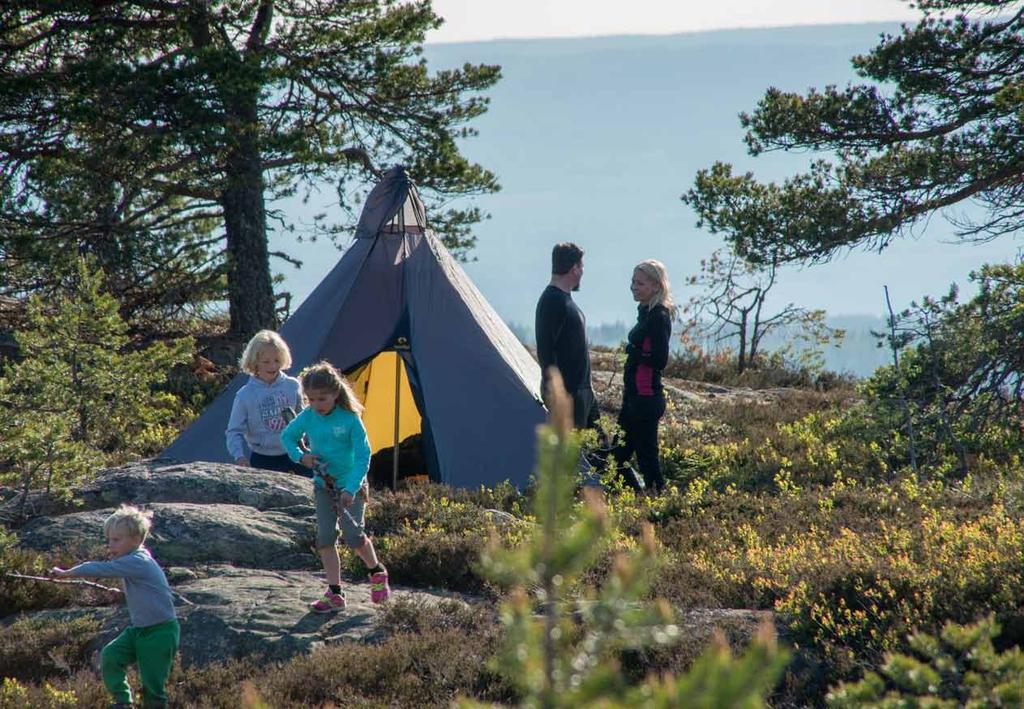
(256, 418)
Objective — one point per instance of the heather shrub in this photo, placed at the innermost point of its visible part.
(427, 653)
(18, 594)
(15, 695)
(433, 535)
(217, 685)
(33, 650)
(405, 615)
(851, 569)
(431, 558)
(563, 648)
(407, 669)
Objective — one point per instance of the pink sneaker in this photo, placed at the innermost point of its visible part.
(329, 603)
(380, 591)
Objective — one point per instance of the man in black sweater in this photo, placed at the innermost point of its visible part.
(561, 332)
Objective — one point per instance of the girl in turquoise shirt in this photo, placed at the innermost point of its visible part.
(340, 453)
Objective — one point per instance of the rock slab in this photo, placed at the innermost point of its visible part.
(228, 613)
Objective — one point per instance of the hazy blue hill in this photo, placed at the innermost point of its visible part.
(595, 139)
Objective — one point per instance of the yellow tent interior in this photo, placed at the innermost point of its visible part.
(374, 384)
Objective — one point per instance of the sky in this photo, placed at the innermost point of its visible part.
(481, 20)
(668, 106)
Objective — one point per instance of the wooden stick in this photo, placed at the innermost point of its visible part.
(79, 582)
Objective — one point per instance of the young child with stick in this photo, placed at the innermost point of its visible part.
(151, 641)
(340, 453)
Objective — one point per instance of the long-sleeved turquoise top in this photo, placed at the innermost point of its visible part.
(338, 439)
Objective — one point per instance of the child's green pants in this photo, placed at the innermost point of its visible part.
(153, 649)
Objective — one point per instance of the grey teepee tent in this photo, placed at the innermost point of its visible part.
(397, 295)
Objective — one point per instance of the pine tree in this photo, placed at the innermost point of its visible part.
(216, 109)
(934, 123)
(959, 668)
(82, 394)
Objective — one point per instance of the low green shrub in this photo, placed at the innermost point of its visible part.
(34, 650)
(16, 695)
(753, 443)
(439, 507)
(432, 535)
(19, 594)
(851, 569)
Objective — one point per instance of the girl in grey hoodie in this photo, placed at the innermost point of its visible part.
(264, 406)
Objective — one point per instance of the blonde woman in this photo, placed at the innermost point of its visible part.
(647, 348)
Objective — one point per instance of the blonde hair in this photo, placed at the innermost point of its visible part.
(259, 342)
(323, 376)
(656, 271)
(130, 520)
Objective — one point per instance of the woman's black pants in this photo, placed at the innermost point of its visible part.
(639, 423)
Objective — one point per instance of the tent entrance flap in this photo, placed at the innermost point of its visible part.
(375, 384)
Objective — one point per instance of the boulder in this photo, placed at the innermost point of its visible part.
(229, 613)
(235, 543)
(737, 625)
(186, 534)
(501, 518)
(150, 481)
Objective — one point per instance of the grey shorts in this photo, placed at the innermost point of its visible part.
(351, 520)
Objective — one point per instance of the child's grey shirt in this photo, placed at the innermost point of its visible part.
(146, 591)
(256, 417)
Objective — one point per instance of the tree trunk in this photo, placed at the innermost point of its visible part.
(742, 362)
(82, 410)
(250, 293)
(26, 486)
